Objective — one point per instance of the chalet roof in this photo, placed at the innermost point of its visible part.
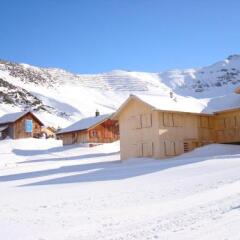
(165, 103)
(178, 104)
(13, 117)
(85, 123)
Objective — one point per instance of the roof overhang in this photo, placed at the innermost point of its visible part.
(228, 110)
(72, 131)
(2, 128)
(85, 129)
(125, 103)
(22, 115)
(188, 113)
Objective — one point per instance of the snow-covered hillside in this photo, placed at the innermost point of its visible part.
(71, 193)
(61, 97)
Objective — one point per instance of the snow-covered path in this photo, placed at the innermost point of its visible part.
(52, 192)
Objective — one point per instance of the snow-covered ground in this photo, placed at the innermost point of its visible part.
(50, 192)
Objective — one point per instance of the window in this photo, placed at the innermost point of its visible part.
(204, 122)
(136, 122)
(220, 124)
(168, 119)
(28, 126)
(0, 134)
(238, 121)
(169, 148)
(177, 120)
(137, 150)
(147, 149)
(220, 135)
(146, 120)
(230, 122)
(94, 133)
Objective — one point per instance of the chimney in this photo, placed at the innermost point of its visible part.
(97, 113)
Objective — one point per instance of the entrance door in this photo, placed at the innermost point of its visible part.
(74, 138)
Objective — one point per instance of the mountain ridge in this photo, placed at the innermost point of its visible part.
(62, 97)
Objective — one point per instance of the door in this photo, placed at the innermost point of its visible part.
(74, 138)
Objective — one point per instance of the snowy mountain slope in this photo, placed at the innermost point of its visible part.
(61, 97)
(49, 191)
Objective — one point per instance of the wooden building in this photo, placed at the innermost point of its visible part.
(48, 132)
(227, 126)
(149, 130)
(92, 130)
(20, 125)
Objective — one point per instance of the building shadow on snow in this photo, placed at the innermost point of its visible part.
(104, 171)
(21, 152)
(78, 157)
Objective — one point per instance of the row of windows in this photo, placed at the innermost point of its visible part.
(141, 121)
(177, 120)
(228, 122)
(98, 134)
(228, 135)
(145, 120)
(171, 148)
(172, 120)
(143, 149)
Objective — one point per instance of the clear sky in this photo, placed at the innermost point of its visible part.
(89, 36)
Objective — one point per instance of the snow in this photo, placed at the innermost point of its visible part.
(53, 192)
(177, 103)
(85, 123)
(206, 89)
(11, 117)
(50, 191)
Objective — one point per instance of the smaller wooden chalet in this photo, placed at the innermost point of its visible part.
(48, 132)
(20, 125)
(93, 130)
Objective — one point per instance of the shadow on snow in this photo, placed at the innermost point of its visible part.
(78, 157)
(104, 171)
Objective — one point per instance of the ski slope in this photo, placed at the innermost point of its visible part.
(66, 193)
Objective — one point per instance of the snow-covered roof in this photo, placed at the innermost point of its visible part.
(85, 123)
(175, 104)
(13, 117)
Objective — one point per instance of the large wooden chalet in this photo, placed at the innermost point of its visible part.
(159, 127)
(20, 125)
(92, 130)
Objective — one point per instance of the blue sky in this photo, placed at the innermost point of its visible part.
(89, 36)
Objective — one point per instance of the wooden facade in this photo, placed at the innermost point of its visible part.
(145, 132)
(227, 126)
(48, 132)
(104, 132)
(17, 127)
